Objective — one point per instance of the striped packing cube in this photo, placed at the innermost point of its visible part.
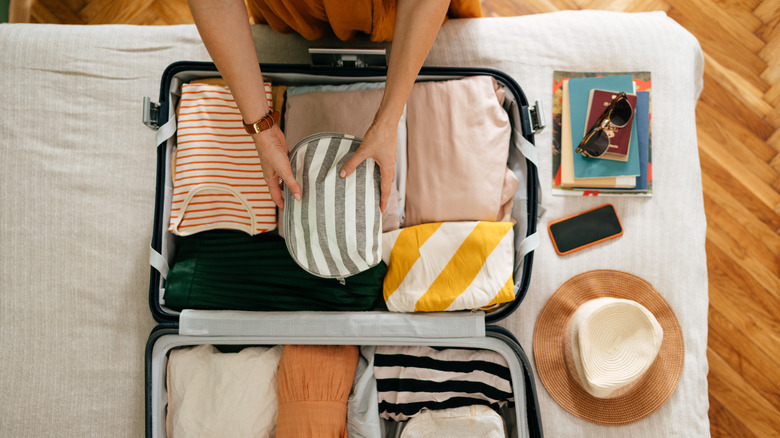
(335, 230)
(448, 266)
(412, 379)
(217, 177)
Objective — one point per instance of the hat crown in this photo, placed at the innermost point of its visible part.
(614, 341)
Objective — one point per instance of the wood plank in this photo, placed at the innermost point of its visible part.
(728, 387)
(59, 9)
(729, 103)
(771, 54)
(724, 424)
(770, 30)
(145, 17)
(750, 96)
(767, 10)
(737, 138)
(738, 296)
(774, 140)
(41, 14)
(19, 11)
(716, 42)
(742, 354)
(173, 12)
(733, 165)
(93, 8)
(114, 11)
(772, 95)
(710, 15)
(764, 250)
(624, 6)
(511, 8)
(747, 220)
(775, 163)
(767, 277)
(740, 12)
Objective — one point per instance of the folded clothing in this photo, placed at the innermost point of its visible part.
(313, 389)
(448, 266)
(217, 176)
(222, 394)
(411, 378)
(458, 145)
(464, 422)
(347, 112)
(225, 269)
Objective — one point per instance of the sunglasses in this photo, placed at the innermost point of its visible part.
(596, 140)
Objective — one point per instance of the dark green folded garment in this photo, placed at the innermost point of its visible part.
(235, 271)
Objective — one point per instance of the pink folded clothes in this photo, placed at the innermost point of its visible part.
(458, 145)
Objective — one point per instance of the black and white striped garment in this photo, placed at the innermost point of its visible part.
(335, 230)
(411, 378)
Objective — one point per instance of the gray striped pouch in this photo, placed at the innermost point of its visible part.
(335, 230)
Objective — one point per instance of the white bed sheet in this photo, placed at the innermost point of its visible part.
(77, 170)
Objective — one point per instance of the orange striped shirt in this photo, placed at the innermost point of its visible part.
(217, 176)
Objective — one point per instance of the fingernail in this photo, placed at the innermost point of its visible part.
(297, 197)
(343, 173)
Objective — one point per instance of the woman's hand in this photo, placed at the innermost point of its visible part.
(379, 143)
(272, 149)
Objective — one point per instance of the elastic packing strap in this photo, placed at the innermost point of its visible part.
(166, 131)
(524, 146)
(158, 262)
(528, 244)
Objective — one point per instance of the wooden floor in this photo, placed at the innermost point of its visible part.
(738, 117)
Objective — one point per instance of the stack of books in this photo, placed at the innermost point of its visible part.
(578, 101)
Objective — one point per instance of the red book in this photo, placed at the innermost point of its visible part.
(620, 138)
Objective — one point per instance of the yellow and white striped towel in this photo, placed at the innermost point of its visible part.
(448, 266)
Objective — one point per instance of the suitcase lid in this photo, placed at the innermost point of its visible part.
(529, 120)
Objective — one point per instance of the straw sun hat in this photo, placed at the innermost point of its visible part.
(608, 347)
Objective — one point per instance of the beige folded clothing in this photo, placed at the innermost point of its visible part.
(222, 394)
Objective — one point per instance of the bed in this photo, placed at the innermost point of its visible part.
(77, 168)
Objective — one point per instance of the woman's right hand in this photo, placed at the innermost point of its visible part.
(272, 149)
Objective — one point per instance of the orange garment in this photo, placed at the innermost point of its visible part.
(313, 386)
(314, 19)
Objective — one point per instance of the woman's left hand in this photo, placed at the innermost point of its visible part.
(379, 143)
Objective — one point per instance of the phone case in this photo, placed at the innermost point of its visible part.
(584, 224)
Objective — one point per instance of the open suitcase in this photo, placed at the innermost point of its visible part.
(234, 329)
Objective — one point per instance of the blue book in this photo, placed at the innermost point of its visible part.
(642, 122)
(579, 92)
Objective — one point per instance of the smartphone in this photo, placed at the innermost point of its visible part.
(585, 229)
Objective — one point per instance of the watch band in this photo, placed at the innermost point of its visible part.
(264, 124)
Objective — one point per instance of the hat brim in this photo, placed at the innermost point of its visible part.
(649, 392)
